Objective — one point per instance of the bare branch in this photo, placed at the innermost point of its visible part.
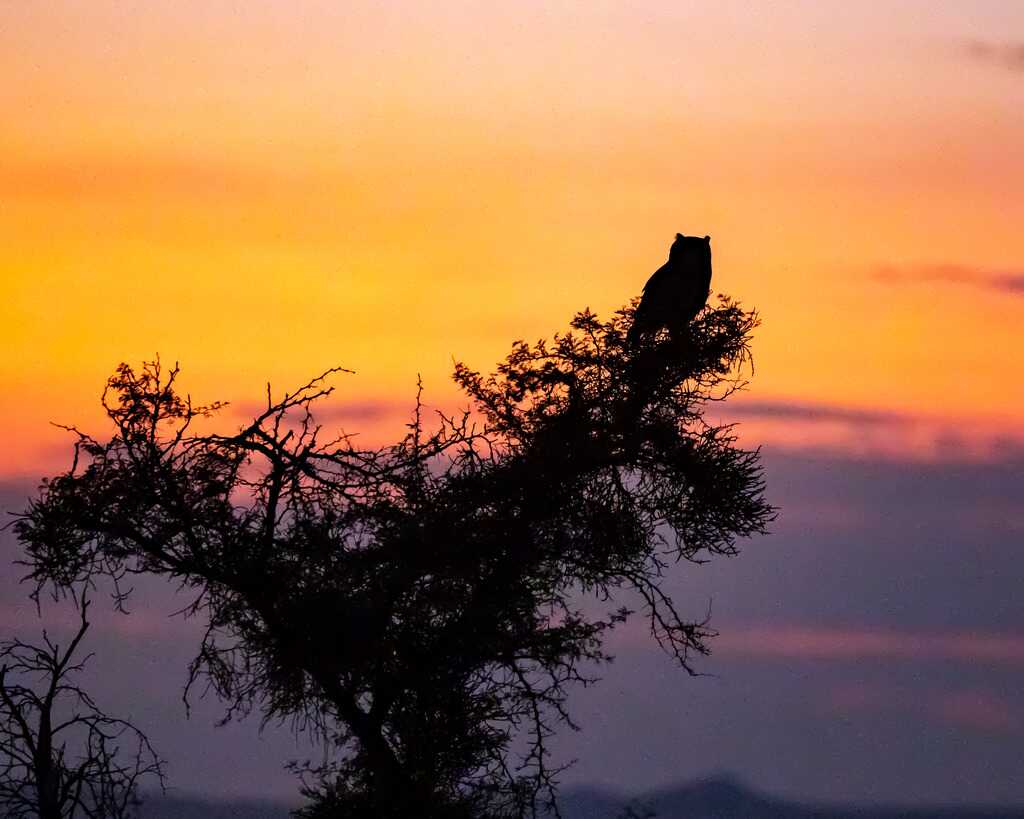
(39, 775)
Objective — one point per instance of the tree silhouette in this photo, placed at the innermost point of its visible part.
(423, 607)
(60, 756)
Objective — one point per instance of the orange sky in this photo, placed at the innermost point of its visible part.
(264, 190)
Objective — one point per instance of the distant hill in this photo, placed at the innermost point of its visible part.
(715, 798)
(725, 798)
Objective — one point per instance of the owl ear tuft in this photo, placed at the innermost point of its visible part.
(707, 239)
(680, 236)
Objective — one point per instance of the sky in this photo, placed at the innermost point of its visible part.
(264, 190)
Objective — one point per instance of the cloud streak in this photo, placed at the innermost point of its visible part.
(1005, 55)
(120, 176)
(842, 431)
(978, 709)
(1011, 282)
(838, 644)
(367, 411)
(792, 410)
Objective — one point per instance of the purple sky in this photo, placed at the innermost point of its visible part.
(870, 650)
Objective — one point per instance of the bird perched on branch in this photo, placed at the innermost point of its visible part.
(677, 291)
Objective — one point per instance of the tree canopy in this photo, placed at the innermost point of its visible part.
(424, 607)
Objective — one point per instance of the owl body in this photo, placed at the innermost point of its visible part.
(677, 290)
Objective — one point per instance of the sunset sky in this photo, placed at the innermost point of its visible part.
(263, 190)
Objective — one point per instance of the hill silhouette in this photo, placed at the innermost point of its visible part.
(725, 797)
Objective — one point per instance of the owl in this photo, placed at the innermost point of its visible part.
(677, 291)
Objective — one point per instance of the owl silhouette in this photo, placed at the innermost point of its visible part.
(676, 291)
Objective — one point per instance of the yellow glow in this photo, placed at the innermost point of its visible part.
(263, 193)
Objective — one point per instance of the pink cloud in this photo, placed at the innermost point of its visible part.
(1006, 281)
(839, 430)
(1005, 55)
(799, 642)
(974, 709)
(22, 620)
(342, 411)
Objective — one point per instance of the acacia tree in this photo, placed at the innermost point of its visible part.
(60, 756)
(423, 607)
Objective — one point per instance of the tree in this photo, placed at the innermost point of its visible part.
(422, 605)
(60, 756)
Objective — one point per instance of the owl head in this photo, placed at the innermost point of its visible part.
(690, 246)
